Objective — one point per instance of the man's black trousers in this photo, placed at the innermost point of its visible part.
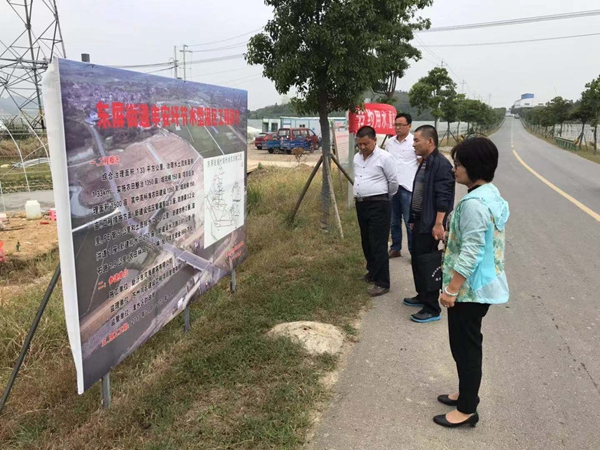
(374, 222)
(424, 243)
(466, 340)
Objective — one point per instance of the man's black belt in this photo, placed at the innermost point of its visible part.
(373, 198)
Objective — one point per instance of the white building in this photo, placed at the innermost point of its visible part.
(528, 101)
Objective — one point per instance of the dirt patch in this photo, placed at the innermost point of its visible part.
(34, 237)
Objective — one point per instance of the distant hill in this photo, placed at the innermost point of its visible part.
(276, 111)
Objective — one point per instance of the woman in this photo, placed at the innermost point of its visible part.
(473, 273)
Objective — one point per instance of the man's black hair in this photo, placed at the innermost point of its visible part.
(366, 131)
(429, 132)
(408, 117)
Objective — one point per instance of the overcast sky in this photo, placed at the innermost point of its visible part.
(117, 32)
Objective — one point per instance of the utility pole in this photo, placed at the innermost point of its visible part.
(175, 61)
(490, 100)
(184, 51)
(462, 89)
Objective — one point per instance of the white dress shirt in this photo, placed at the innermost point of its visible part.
(405, 160)
(377, 175)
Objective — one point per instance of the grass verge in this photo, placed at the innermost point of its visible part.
(223, 385)
(586, 151)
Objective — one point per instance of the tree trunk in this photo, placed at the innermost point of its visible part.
(561, 128)
(436, 123)
(326, 145)
(581, 135)
(596, 139)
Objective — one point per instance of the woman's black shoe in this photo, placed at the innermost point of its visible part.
(441, 420)
(447, 400)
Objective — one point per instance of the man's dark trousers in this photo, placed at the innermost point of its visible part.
(401, 211)
(424, 243)
(374, 222)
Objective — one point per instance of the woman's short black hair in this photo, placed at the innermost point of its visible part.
(479, 156)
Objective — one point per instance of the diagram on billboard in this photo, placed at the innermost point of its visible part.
(224, 200)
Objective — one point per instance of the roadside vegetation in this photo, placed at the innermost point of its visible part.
(225, 384)
(551, 121)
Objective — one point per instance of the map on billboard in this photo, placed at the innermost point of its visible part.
(223, 196)
(150, 189)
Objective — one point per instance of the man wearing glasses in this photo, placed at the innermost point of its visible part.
(405, 160)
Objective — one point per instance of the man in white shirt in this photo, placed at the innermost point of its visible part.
(375, 183)
(405, 159)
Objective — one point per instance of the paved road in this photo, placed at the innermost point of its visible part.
(541, 351)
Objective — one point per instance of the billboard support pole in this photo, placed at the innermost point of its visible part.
(106, 391)
(186, 319)
(306, 186)
(351, 145)
(233, 282)
(337, 163)
(27, 343)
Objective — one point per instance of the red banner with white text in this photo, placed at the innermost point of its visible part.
(377, 115)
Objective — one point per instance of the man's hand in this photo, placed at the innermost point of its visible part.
(411, 225)
(438, 232)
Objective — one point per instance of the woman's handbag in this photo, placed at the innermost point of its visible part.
(429, 268)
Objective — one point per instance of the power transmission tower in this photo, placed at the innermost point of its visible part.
(26, 58)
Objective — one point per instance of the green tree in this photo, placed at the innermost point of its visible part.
(431, 91)
(331, 52)
(469, 112)
(450, 108)
(583, 112)
(560, 110)
(591, 99)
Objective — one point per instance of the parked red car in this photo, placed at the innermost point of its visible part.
(262, 138)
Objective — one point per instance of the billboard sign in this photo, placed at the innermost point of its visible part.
(150, 186)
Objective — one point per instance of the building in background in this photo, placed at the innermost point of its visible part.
(527, 101)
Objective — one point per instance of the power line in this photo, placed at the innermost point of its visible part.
(140, 66)
(254, 79)
(501, 23)
(243, 44)
(229, 39)
(221, 58)
(516, 42)
(238, 78)
(161, 70)
(220, 72)
(443, 62)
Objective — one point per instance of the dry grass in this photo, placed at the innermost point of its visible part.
(224, 384)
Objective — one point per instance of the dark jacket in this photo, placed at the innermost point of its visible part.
(438, 194)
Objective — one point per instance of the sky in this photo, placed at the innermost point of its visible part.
(135, 32)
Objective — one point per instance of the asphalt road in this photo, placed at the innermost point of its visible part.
(541, 385)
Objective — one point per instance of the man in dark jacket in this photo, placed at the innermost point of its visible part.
(433, 199)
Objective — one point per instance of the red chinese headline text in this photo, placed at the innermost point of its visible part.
(132, 115)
